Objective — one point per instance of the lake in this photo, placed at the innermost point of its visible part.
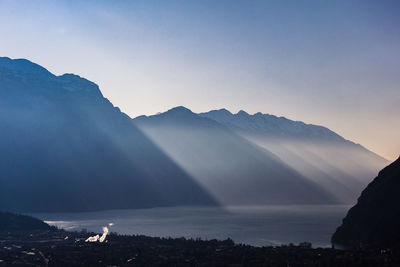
(255, 225)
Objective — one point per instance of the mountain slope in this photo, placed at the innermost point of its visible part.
(233, 169)
(375, 219)
(64, 147)
(338, 165)
(21, 224)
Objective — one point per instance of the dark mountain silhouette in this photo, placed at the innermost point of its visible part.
(64, 147)
(340, 166)
(16, 223)
(233, 169)
(375, 219)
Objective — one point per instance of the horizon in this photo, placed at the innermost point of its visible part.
(334, 65)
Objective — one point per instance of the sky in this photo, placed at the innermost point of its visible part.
(332, 63)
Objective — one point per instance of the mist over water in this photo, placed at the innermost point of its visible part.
(255, 225)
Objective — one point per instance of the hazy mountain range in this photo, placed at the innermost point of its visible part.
(233, 169)
(260, 158)
(339, 166)
(64, 147)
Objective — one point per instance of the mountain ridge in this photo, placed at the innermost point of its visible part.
(64, 147)
(87, 145)
(245, 121)
(235, 170)
(220, 114)
(313, 155)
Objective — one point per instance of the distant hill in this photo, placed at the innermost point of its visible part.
(15, 223)
(234, 170)
(375, 219)
(338, 165)
(64, 147)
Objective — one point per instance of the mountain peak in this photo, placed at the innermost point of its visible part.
(222, 110)
(33, 74)
(74, 83)
(178, 112)
(177, 116)
(180, 109)
(242, 113)
(22, 66)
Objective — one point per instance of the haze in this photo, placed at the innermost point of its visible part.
(331, 63)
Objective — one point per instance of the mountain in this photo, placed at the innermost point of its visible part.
(64, 147)
(19, 224)
(270, 125)
(375, 219)
(338, 165)
(234, 170)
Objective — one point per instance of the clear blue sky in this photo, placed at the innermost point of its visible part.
(335, 63)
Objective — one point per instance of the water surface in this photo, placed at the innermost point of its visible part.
(255, 225)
